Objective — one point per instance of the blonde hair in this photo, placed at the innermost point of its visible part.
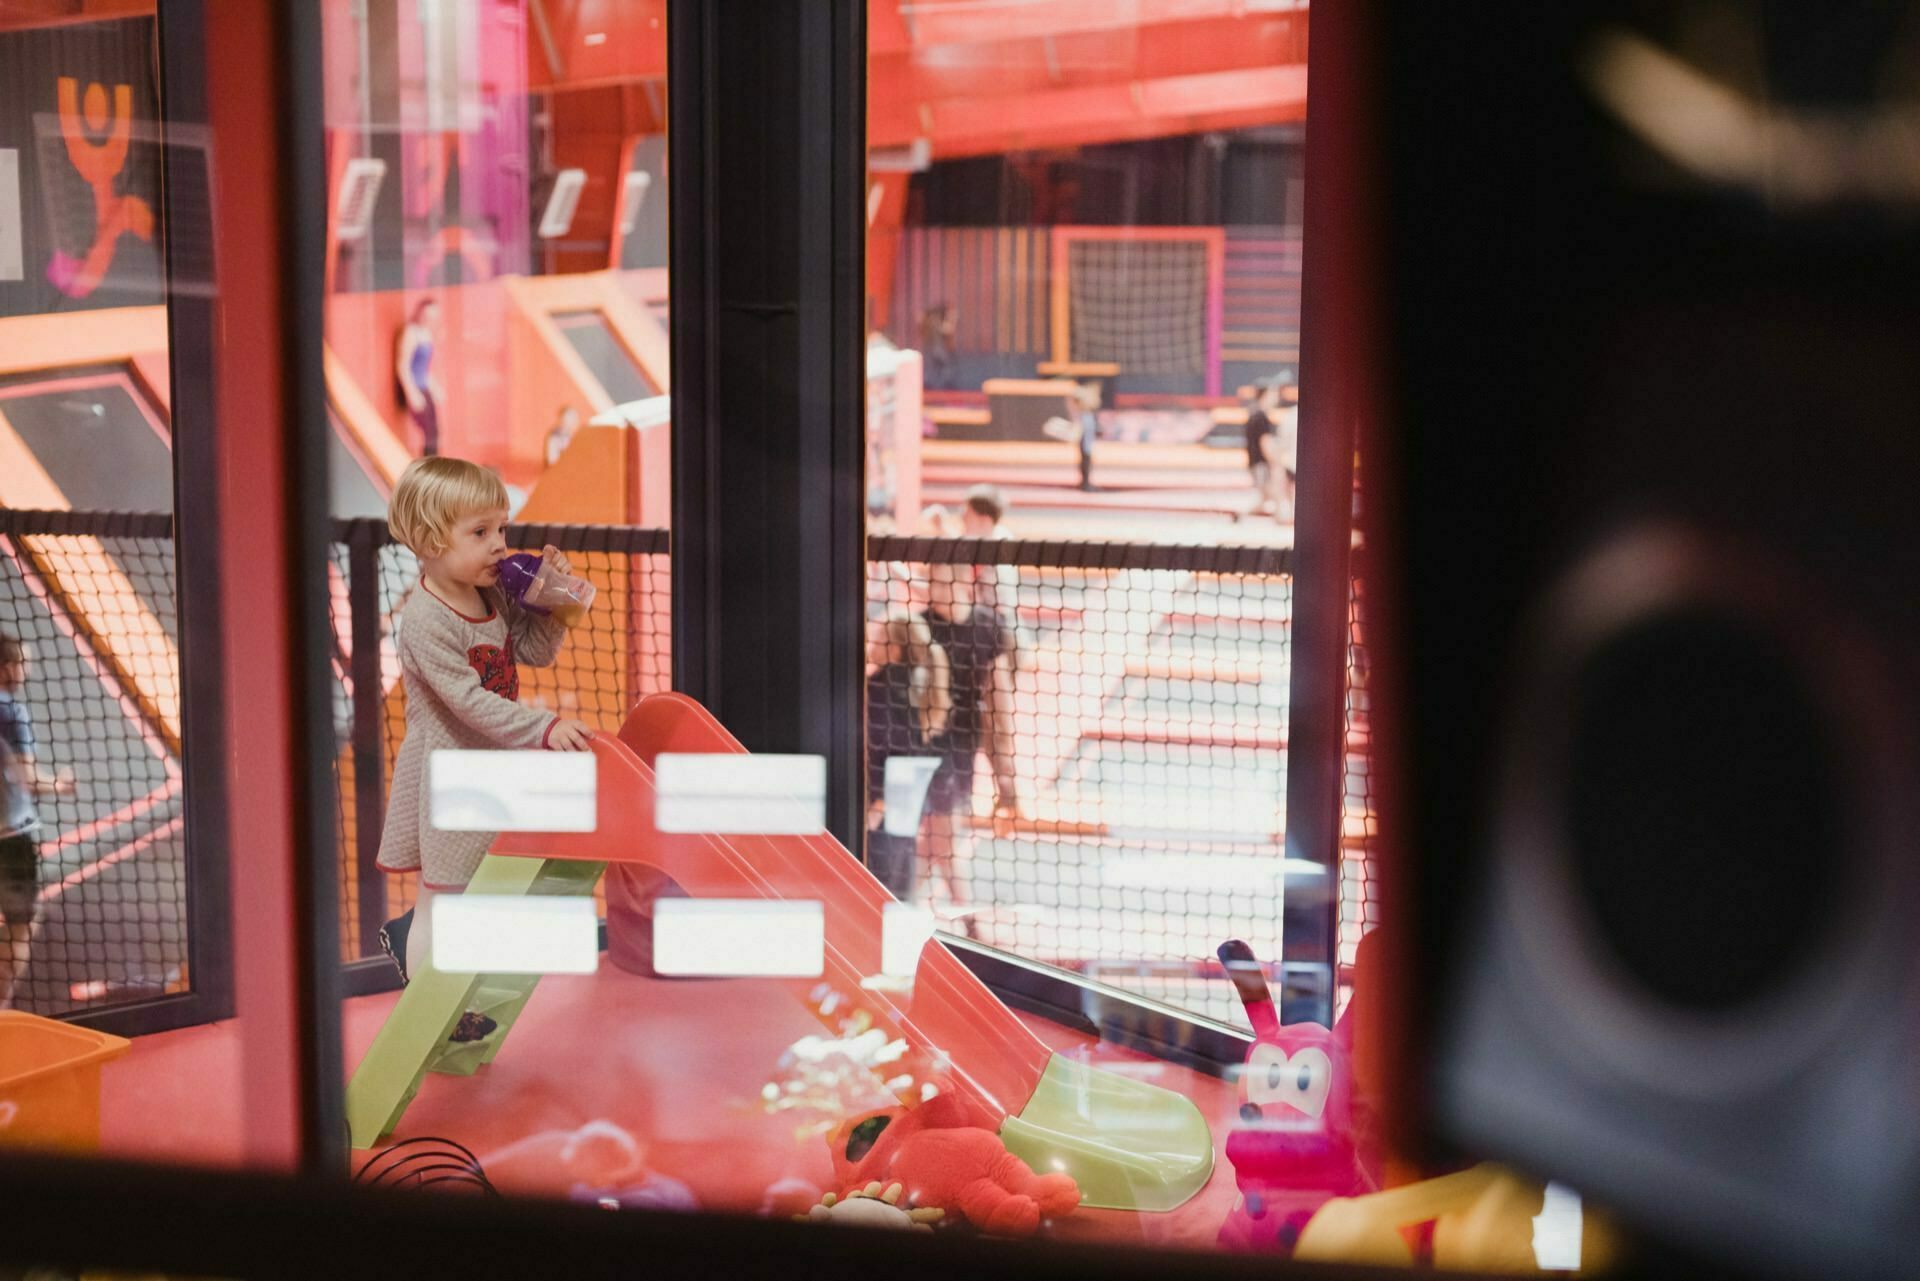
(929, 692)
(435, 494)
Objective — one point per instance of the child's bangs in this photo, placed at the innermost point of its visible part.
(436, 493)
(475, 490)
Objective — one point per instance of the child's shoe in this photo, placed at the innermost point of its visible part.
(473, 1026)
(393, 941)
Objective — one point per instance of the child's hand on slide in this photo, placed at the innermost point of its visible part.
(569, 735)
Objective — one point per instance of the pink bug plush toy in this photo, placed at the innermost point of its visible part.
(1294, 1148)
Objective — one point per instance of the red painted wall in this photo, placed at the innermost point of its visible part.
(470, 359)
(590, 130)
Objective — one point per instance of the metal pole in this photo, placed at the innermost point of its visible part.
(369, 739)
(1332, 390)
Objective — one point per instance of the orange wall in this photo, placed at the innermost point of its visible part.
(590, 132)
(469, 359)
(505, 366)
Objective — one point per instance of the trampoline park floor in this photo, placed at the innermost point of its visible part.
(680, 1067)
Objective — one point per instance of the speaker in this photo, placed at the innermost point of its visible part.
(1651, 299)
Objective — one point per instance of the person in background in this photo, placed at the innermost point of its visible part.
(983, 516)
(21, 782)
(939, 325)
(1281, 401)
(413, 365)
(566, 424)
(1089, 414)
(460, 640)
(984, 513)
(908, 699)
(1259, 428)
(982, 656)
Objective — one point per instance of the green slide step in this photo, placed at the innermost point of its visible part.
(413, 1041)
(1129, 1145)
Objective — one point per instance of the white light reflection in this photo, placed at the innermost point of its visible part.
(1557, 1230)
(512, 934)
(1203, 871)
(907, 780)
(738, 794)
(1725, 136)
(512, 791)
(905, 929)
(739, 938)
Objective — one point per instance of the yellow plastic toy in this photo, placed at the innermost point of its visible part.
(1484, 1221)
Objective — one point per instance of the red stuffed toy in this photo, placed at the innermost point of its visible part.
(947, 1159)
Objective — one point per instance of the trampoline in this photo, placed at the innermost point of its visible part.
(99, 614)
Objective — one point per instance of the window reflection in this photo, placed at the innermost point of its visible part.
(96, 872)
(1083, 388)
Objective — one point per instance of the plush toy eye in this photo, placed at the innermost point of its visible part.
(865, 1135)
(1300, 1080)
(1277, 1074)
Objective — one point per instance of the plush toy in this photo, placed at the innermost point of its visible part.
(946, 1159)
(599, 1163)
(1294, 1148)
(873, 1207)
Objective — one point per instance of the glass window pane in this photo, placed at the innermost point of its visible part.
(91, 696)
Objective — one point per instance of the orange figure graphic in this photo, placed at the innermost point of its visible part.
(100, 164)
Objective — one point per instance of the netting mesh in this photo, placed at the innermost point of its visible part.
(1140, 303)
(1360, 872)
(619, 653)
(95, 613)
(1133, 700)
(1130, 702)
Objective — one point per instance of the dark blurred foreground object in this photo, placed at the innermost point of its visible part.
(1649, 294)
(425, 1162)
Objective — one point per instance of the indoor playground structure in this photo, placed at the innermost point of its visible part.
(1125, 1143)
(1070, 1060)
(982, 1125)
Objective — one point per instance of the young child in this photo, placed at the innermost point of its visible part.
(907, 703)
(459, 639)
(20, 782)
(984, 516)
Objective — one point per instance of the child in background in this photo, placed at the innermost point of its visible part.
(1259, 427)
(907, 703)
(985, 517)
(1281, 401)
(20, 782)
(566, 425)
(459, 640)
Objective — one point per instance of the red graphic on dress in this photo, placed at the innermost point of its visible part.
(495, 666)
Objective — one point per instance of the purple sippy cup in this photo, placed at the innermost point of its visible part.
(541, 589)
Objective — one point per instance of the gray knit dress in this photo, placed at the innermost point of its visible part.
(463, 691)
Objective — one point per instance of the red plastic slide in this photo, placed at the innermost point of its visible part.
(947, 1014)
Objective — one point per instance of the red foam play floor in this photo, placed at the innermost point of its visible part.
(676, 1066)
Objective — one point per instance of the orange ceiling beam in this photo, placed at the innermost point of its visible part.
(929, 23)
(974, 78)
(1117, 112)
(1102, 57)
(909, 92)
